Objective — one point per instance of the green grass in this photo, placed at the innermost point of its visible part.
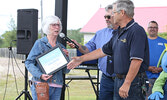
(78, 89)
(11, 92)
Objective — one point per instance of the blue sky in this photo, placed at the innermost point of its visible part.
(79, 11)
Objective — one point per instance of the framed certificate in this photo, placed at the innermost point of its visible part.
(52, 60)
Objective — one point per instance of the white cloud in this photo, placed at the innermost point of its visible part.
(80, 12)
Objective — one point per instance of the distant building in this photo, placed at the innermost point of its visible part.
(142, 16)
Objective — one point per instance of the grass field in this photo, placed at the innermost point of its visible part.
(78, 89)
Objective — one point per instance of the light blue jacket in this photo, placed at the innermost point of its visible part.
(40, 46)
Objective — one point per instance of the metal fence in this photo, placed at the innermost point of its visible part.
(5, 52)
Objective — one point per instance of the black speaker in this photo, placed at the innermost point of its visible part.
(27, 29)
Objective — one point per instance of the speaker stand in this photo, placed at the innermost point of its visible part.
(25, 91)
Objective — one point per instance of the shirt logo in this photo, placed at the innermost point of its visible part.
(160, 44)
(123, 40)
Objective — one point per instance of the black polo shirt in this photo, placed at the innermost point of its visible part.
(128, 43)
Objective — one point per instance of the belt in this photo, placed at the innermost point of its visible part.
(112, 77)
(120, 76)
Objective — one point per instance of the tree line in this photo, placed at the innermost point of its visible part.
(7, 37)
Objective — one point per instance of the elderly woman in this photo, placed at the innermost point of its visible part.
(51, 26)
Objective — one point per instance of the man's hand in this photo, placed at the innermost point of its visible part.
(150, 68)
(45, 77)
(154, 69)
(124, 90)
(133, 70)
(157, 70)
(73, 45)
(74, 62)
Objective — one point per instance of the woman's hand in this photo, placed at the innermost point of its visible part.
(65, 51)
(45, 77)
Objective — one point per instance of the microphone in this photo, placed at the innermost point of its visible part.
(62, 35)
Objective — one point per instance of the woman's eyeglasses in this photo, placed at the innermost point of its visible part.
(107, 16)
(55, 25)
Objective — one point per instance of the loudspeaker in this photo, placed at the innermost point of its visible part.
(27, 29)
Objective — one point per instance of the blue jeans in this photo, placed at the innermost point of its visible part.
(54, 92)
(135, 91)
(106, 88)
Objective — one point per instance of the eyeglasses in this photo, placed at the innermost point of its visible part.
(107, 16)
(113, 12)
(55, 25)
(153, 27)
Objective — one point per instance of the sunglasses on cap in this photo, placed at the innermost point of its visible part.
(107, 16)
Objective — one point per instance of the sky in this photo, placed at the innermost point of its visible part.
(79, 11)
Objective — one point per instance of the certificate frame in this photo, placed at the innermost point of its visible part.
(52, 60)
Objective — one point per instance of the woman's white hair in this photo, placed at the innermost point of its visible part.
(48, 21)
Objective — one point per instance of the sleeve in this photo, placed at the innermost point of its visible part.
(91, 45)
(138, 44)
(159, 83)
(31, 63)
(107, 48)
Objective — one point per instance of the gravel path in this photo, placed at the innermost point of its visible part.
(5, 65)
